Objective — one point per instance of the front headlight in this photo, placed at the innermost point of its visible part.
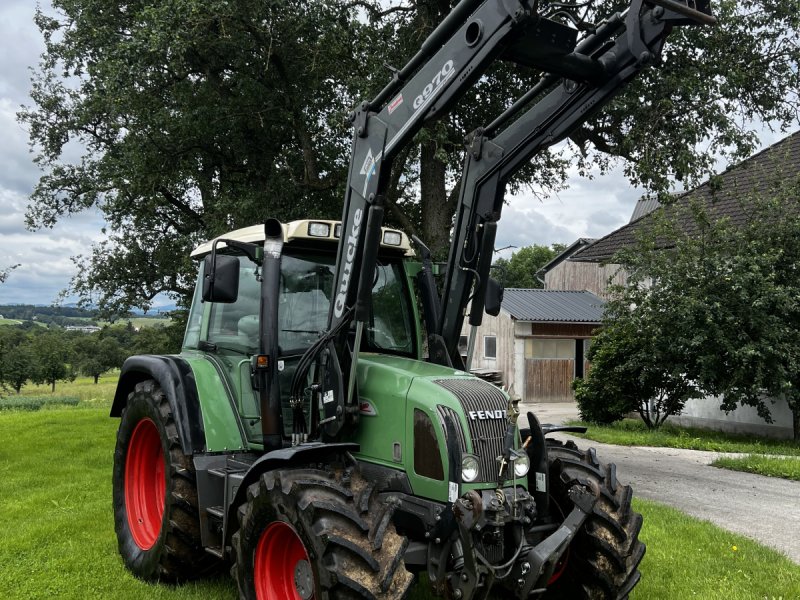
(469, 468)
(522, 465)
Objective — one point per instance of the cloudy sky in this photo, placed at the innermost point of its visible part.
(589, 208)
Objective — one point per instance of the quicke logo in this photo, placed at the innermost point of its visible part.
(352, 243)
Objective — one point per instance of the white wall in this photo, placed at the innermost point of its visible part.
(705, 412)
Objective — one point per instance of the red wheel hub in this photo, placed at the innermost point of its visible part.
(145, 485)
(282, 570)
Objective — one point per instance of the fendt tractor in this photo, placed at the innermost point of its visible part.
(320, 431)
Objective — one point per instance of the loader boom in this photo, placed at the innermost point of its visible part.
(579, 79)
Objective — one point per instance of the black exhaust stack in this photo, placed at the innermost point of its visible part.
(267, 374)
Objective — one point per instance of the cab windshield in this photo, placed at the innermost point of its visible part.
(304, 301)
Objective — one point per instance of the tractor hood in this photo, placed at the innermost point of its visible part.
(403, 406)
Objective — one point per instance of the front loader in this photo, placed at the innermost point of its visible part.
(318, 430)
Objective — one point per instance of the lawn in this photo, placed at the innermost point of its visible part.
(89, 393)
(771, 466)
(58, 539)
(633, 432)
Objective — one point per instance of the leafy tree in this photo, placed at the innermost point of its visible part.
(198, 116)
(15, 361)
(19, 366)
(637, 361)
(93, 355)
(51, 355)
(519, 271)
(730, 292)
(154, 340)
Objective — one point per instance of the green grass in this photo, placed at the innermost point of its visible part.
(688, 558)
(58, 538)
(83, 388)
(632, 432)
(771, 466)
(5, 321)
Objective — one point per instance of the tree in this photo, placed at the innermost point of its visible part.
(520, 270)
(730, 292)
(93, 355)
(638, 360)
(154, 340)
(16, 362)
(198, 116)
(51, 356)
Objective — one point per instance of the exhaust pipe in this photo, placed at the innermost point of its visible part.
(269, 394)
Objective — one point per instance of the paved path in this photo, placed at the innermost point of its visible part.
(766, 509)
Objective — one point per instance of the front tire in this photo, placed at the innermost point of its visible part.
(602, 561)
(317, 533)
(156, 514)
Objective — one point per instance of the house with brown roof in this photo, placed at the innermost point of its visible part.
(725, 196)
(538, 343)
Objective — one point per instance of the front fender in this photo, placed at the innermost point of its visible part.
(285, 457)
(176, 378)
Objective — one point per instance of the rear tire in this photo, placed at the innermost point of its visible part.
(337, 539)
(603, 559)
(155, 493)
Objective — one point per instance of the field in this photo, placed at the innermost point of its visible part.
(58, 538)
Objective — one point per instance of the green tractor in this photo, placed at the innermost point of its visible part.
(319, 430)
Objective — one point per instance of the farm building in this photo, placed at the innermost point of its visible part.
(589, 265)
(538, 342)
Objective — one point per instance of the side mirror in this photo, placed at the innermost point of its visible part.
(220, 278)
(494, 297)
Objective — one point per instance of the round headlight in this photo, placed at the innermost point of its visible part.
(469, 468)
(522, 465)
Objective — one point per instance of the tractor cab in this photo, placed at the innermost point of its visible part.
(228, 333)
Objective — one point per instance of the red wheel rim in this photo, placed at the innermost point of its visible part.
(278, 556)
(145, 486)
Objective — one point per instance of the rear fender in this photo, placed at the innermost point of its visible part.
(176, 379)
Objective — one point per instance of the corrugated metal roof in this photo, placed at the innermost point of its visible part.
(553, 306)
(643, 206)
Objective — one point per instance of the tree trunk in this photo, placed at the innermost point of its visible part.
(796, 422)
(96, 378)
(53, 386)
(437, 210)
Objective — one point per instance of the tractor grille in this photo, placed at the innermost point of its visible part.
(487, 434)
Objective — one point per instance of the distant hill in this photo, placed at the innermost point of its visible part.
(71, 315)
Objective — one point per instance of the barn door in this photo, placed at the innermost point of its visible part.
(549, 380)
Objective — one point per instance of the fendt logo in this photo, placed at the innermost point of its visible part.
(352, 243)
(483, 415)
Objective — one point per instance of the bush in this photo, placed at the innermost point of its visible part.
(599, 405)
(36, 402)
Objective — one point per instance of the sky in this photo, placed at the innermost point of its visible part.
(588, 208)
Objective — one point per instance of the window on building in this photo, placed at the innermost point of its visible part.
(490, 346)
(549, 348)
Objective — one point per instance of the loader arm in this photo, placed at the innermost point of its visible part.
(624, 45)
(450, 61)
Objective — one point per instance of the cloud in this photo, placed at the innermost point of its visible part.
(22, 45)
(588, 208)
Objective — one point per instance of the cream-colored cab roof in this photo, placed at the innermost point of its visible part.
(297, 230)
